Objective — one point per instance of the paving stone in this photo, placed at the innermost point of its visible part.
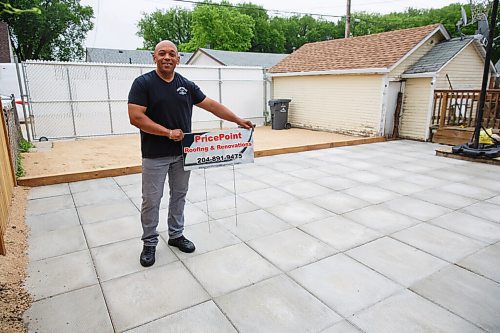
(56, 243)
(470, 191)
(132, 190)
(285, 166)
(416, 208)
(98, 196)
(489, 181)
(483, 262)
(84, 311)
(336, 169)
(444, 198)
(291, 248)
(224, 207)
(61, 219)
(254, 224)
(49, 205)
(408, 312)
(304, 190)
(278, 179)
(439, 242)
(299, 212)
(342, 327)
(308, 174)
(48, 191)
(399, 262)
(107, 211)
(401, 186)
(389, 173)
(339, 232)
(494, 200)
(337, 182)
(144, 296)
(122, 258)
(364, 177)
(111, 231)
(243, 185)
(484, 210)
(338, 203)
(93, 184)
(225, 270)
(206, 238)
(268, 197)
(276, 305)
(198, 192)
(371, 194)
(343, 284)
(467, 294)
(52, 276)
(205, 317)
(470, 226)
(256, 171)
(128, 179)
(425, 181)
(381, 219)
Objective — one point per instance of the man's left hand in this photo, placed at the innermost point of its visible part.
(245, 123)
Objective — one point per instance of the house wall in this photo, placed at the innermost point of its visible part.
(416, 55)
(416, 106)
(465, 71)
(203, 60)
(341, 103)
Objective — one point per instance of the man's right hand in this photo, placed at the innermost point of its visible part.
(176, 135)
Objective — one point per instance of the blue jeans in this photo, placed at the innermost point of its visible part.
(154, 172)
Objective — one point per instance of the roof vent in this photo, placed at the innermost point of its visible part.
(120, 51)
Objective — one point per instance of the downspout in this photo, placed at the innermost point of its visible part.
(429, 109)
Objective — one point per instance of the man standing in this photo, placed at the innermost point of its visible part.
(160, 104)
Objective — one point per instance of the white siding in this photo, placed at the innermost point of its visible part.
(414, 118)
(203, 60)
(416, 55)
(465, 71)
(340, 103)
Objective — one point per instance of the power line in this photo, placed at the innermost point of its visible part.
(258, 8)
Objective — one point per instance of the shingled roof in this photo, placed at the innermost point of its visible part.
(233, 58)
(381, 50)
(125, 56)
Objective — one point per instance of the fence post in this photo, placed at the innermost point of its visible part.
(220, 93)
(444, 106)
(71, 102)
(109, 99)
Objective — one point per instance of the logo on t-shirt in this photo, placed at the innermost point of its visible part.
(182, 91)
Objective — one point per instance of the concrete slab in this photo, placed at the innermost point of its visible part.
(268, 197)
(243, 185)
(484, 210)
(254, 224)
(122, 258)
(444, 198)
(494, 200)
(416, 208)
(144, 296)
(338, 203)
(343, 284)
(128, 179)
(470, 226)
(291, 248)
(306, 189)
(308, 174)
(399, 262)
(49, 204)
(57, 275)
(48, 191)
(467, 294)
(371, 194)
(204, 317)
(206, 238)
(439, 242)
(98, 196)
(408, 312)
(276, 305)
(333, 168)
(337, 183)
(107, 211)
(401, 186)
(61, 219)
(299, 212)
(339, 232)
(224, 207)
(233, 267)
(381, 219)
(278, 179)
(114, 230)
(483, 262)
(342, 327)
(366, 177)
(198, 192)
(93, 184)
(474, 192)
(56, 243)
(79, 311)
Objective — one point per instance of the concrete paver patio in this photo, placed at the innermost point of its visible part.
(382, 237)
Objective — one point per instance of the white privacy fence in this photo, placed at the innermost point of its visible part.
(70, 100)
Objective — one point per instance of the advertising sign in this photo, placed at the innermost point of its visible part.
(218, 148)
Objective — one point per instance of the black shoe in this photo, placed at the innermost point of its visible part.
(182, 243)
(148, 255)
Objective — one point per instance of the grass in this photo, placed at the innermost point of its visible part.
(24, 147)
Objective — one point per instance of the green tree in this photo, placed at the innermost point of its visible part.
(173, 24)
(57, 33)
(220, 28)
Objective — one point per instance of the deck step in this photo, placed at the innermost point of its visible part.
(453, 135)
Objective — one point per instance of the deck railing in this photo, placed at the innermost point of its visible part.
(459, 108)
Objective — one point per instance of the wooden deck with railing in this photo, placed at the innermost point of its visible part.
(454, 114)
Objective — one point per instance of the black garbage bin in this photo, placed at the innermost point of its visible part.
(279, 113)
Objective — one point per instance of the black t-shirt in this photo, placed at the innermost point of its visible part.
(169, 104)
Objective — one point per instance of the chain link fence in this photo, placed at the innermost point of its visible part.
(70, 100)
(13, 128)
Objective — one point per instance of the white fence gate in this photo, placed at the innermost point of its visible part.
(70, 100)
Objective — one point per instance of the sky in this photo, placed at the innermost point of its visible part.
(115, 22)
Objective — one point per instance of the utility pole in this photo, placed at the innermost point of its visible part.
(348, 20)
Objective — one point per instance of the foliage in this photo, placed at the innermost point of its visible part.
(173, 25)
(7, 8)
(24, 145)
(20, 172)
(219, 28)
(55, 34)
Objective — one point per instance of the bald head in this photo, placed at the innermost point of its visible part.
(163, 44)
(166, 59)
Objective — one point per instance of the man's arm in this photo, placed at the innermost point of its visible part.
(223, 112)
(138, 118)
